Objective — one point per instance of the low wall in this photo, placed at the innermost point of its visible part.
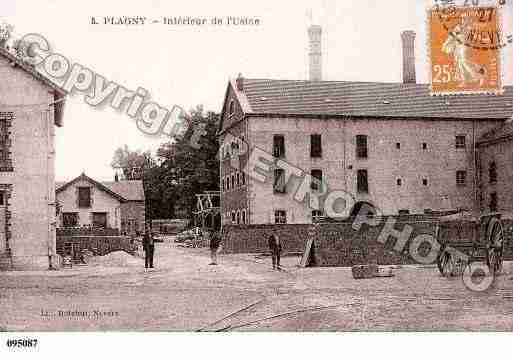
(253, 238)
(98, 245)
(338, 244)
(79, 231)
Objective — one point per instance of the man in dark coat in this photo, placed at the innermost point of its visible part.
(215, 242)
(149, 247)
(275, 248)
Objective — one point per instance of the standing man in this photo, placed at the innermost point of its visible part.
(275, 248)
(149, 247)
(215, 242)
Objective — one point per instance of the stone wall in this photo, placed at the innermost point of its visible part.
(339, 244)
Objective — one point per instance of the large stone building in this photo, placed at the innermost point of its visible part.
(84, 202)
(390, 145)
(495, 151)
(30, 107)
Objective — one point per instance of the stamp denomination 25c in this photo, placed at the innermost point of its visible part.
(465, 45)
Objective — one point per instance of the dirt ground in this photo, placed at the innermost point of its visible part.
(243, 293)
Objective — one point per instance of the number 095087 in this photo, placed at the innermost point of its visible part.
(21, 343)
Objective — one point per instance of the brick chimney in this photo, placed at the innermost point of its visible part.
(315, 53)
(240, 82)
(408, 39)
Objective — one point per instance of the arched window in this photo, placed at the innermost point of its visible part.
(233, 181)
(228, 183)
(243, 216)
(238, 217)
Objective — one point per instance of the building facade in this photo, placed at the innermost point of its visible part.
(392, 146)
(84, 202)
(286, 145)
(495, 150)
(30, 108)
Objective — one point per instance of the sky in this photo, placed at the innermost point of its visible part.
(189, 66)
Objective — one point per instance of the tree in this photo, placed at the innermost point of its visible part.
(131, 163)
(5, 33)
(180, 171)
(194, 169)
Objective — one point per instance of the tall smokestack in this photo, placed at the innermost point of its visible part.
(315, 53)
(408, 38)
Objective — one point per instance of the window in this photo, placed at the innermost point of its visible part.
(243, 178)
(316, 181)
(460, 141)
(243, 216)
(461, 178)
(84, 197)
(222, 184)
(6, 119)
(362, 184)
(315, 146)
(317, 214)
(238, 217)
(403, 211)
(493, 202)
(69, 219)
(280, 217)
(100, 219)
(233, 216)
(398, 145)
(2, 198)
(279, 181)
(231, 108)
(238, 179)
(425, 181)
(399, 182)
(235, 148)
(278, 146)
(228, 183)
(492, 172)
(233, 181)
(424, 146)
(361, 146)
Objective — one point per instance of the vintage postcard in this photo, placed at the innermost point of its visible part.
(238, 166)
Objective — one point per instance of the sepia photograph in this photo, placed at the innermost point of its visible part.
(330, 170)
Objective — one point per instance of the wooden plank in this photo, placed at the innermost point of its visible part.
(306, 253)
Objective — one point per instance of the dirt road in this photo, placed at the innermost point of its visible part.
(185, 293)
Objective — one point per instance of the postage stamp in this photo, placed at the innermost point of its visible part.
(464, 44)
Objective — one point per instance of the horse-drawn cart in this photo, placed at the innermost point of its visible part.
(465, 238)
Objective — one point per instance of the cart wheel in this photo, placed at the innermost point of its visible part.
(494, 246)
(445, 264)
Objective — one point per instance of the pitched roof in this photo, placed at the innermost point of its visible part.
(59, 93)
(504, 131)
(370, 99)
(123, 190)
(130, 190)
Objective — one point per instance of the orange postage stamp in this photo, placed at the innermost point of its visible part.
(465, 50)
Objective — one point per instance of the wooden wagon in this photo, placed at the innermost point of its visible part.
(466, 238)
